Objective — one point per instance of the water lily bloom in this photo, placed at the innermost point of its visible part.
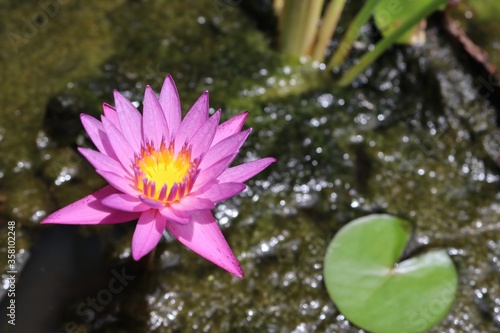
(164, 171)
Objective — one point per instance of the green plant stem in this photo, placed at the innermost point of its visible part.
(298, 24)
(288, 20)
(327, 29)
(385, 43)
(278, 7)
(300, 9)
(309, 24)
(352, 33)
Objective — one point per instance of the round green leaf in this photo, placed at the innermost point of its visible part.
(368, 285)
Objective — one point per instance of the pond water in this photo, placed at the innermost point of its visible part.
(415, 136)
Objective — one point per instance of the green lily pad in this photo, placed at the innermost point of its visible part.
(376, 292)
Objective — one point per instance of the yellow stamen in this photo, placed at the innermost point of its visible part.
(163, 176)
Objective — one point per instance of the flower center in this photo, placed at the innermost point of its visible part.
(163, 176)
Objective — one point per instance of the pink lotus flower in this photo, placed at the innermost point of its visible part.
(165, 172)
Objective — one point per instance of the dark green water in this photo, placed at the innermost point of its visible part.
(415, 137)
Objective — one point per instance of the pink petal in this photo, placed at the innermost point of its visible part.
(151, 203)
(154, 124)
(147, 234)
(96, 133)
(101, 161)
(124, 202)
(196, 116)
(90, 210)
(119, 182)
(92, 127)
(190, 203)
(120, 145)
(202, 138)
(245, 171)
(110, 113)
(212, 172)
(130, 121)
(176, 216)
(204, 237)
(228, 146)
(171, 104)
(230, 127)
(220, 192)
